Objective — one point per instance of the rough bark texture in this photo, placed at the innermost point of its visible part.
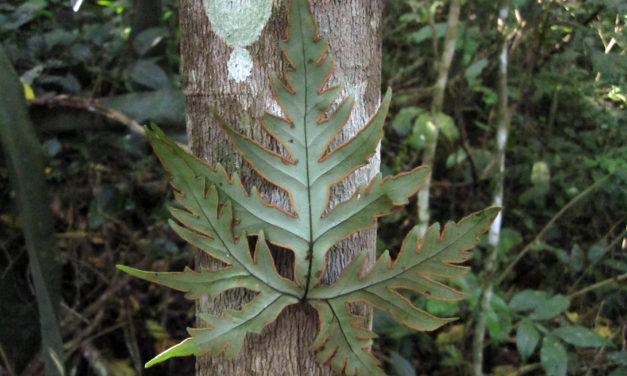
(353, 28)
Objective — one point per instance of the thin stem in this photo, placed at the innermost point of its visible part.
(598, 285)
(450, 40)
(502, 114)
(434, 36)
(5, 359)
(91, 105)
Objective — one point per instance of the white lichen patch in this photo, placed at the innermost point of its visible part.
(240, 65)
(238, 22)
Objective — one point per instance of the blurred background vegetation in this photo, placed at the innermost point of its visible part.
(551, 297)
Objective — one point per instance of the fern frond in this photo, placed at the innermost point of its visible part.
(217, 215)
(419, 263)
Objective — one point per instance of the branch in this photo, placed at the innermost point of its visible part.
(91, 105)
(598, 285)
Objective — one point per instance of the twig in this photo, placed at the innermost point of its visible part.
(101, 333)
(540, 234)
(91, 105)
(428, 156)
(434, 34)
(5, 359)
(130, 337)
(598, 285)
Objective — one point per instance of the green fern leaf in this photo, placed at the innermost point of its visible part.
(310, 170)
(417, 267)
(211, 230)
(217, 215)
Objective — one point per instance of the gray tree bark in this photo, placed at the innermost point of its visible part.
(353, 28)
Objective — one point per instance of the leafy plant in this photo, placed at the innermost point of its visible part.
(553, 355)
(218, 215)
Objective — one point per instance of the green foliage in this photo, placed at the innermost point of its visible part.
(218, 216)
(527, 338)
(531, 330)
(98, 50)
(566, 86)
(580, 336)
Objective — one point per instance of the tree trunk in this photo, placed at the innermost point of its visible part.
(353, 29)
(450, 40)
(502, 126)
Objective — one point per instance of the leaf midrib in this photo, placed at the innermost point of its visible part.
(310, 253)
(346, 337)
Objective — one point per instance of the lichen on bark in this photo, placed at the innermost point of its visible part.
(239, 23)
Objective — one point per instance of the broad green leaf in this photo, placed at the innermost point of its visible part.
(499, 320)
(575, 261)
(550, 308)
(216, 214)
(597, 251)
(446, 125)
(553, 357)
(426, 32)
(509, 239)
(456, 158)
(424, 132)
(475, 70)
(384, 324)
(527, 300)
(403, 121)
(580, 336)
(442, 307)
(619, 357)
(402, 366)
(148, 73)
(69, 83)
(527, 338)
(147, 39)
(494, 325)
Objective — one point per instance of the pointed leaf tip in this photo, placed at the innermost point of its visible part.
(121, 267)
(184, 348)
